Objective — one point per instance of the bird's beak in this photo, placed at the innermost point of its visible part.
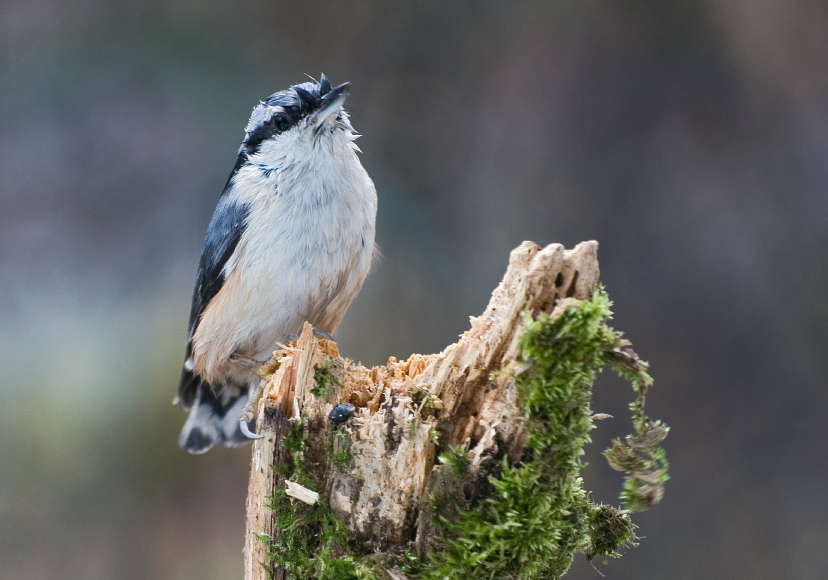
(331, 104)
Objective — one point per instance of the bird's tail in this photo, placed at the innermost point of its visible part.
(213, 420)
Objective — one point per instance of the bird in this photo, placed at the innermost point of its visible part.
(291, 240)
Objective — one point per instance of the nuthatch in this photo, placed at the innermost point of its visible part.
(291, 241)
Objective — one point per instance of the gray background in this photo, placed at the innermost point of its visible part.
(689, 138)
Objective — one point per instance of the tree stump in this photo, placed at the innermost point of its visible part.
(377, 471)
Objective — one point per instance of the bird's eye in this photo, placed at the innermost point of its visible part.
(281, 122)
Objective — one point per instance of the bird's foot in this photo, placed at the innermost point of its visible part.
(246, 362)
(248, 414)
(323, 333)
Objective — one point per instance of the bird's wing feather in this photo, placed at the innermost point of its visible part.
(223, 235)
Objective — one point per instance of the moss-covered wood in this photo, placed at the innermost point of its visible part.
(463, 464)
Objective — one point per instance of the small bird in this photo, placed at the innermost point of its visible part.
(291, 240)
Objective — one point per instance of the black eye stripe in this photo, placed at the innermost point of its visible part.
(255, 139)
(278, 123)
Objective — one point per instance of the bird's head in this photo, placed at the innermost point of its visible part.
(302, 113)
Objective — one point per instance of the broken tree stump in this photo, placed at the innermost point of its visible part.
(373, 479)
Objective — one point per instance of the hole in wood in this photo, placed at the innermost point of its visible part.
(570, 292)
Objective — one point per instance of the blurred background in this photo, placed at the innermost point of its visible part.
(689, 138)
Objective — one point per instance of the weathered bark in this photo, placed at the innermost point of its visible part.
(407, 412)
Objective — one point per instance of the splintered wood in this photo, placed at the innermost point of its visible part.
(377, 469)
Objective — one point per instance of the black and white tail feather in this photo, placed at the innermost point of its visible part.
(214, 419)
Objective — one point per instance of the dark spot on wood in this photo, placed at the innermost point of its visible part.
(393, 435)
(570, 292)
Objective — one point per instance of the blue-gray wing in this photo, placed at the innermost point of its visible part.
(223, 235)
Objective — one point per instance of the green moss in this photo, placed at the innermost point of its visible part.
(294, 442)
(423, 399)
(457, 460)
(434, 435)
(640, 456)
(324, 377)
(311, 543)
(339, 449)
(609, 528)
(411, 565)
(539, 516)
(644, 463)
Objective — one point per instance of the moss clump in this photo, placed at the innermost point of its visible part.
(609, 528)
(539, 516)
(434, 435)
(339, 448)
(294, 442)
(640, 456)
(457, 460)
(311, 543)
(324, 377)
(423, 398)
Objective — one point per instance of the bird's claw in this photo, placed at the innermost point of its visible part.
(245, 429)
(317, 331)
(248, 415)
